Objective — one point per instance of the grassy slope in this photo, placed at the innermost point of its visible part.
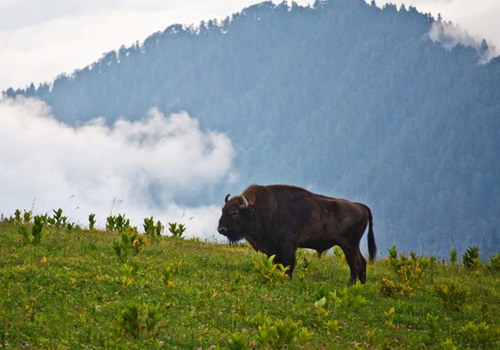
(67, 292)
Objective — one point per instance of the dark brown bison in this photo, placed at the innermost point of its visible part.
(278, 219)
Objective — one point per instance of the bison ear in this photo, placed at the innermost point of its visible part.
(227, 198)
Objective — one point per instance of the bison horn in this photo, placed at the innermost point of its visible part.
(227, 198)
(245, 202)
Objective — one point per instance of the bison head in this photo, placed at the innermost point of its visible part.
(235, 218)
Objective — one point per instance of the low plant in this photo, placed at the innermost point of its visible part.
(168, 273)
(57, 219)
(281, 333)
(495, 262)
(390, 287)
(129, 242)
(432, 325)
(453, 256)
(135, 319)
(92, 222)
(452, 295)
(118, 223)
(479, 334)
(448, 344)
(350, 297)
(237, 341)
(151, 229)
(389, 318)
(270, 271)
(470, 258)
(177, 230)
(31, 232)
(333, 327)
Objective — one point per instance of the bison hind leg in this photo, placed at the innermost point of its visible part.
(361, 267)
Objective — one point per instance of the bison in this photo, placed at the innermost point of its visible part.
(278, 219)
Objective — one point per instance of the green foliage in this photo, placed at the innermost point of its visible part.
(177, 230)
(470, 258)
(431, 321)
(154, 230)
(389, 318)
(57, 219)
(448, 344)
(130, 241)
(391, 288)
(117, 223)
(169, 271)
(189, 294)
(409, 270)
(347, 297)
(30, 232)
(270, 271)
(452, 295)
(453, 256)
(237, 341)
(129, 321)
(92, 222)
(479, 334)
(495, 262)
(280, 333)
(36, 230)
(333, 327)
(23, 230)
(135, 319)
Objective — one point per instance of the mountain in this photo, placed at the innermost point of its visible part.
(342, 97)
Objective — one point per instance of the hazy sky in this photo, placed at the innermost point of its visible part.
(40, 39)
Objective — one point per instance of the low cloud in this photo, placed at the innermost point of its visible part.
(472, 21)
(154, 166)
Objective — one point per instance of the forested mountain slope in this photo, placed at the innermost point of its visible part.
(342, 97)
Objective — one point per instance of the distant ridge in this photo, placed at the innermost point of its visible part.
(342, 97)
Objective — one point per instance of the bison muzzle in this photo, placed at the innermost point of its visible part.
(278, 219)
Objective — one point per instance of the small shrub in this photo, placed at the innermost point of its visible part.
(92, 222)
(281, 333)
(478, 334)
(110, 223)
(135, 319)
(237, 341)
(31, 233)
(177, 230)
(452, 296)
(168, 273)
(349, 297)
(24, 231)
(389, 318)
(470, 258)
(270, 271)
(495, 262)
(151, 229)
(36, 230)
(390, 287)
(333, 327)
(57, 219)
(130, 241)
(432, 326)
(453, 256)
(129, 321)
(448, 344)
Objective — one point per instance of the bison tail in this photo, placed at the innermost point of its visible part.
(372, 247)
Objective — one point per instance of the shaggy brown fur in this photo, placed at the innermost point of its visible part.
(278, 219)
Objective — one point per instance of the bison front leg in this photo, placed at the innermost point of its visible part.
(286, 257)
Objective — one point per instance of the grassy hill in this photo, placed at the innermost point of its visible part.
(72, 288)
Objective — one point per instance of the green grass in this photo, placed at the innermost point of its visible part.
(70, 291)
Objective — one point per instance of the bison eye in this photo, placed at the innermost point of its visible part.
(234, 214)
